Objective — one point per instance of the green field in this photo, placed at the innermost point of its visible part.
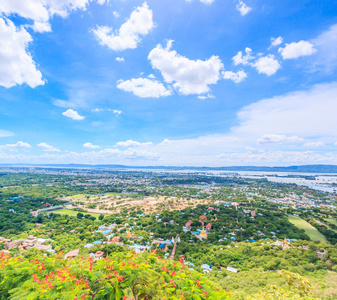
(311, 231)
(332, 221)
(74, 213)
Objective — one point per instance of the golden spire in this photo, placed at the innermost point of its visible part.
(128, 235)
(285, 241)
(166, 248)
(203, 233)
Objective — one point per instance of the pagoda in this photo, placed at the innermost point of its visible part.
(203, 234)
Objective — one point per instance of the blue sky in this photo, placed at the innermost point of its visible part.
(169, 82)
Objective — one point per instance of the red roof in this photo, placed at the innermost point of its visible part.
(115, 239)
(188, 224)
(203, 218)
(73, 253)
(209, 226)
(99, 253)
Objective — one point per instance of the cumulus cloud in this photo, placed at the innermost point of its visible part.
(144, 87)
(91, 146)
(235, 77)
(295, 50)
(188, 76)
(267, 65)
(314, 144)
(40, 11)
(243, 59)
(128, 36)
(276, 41)
(46, 147)
(73, 114)
(16, 63)
(279, 139)
(243, 8)
(14, 147)
(120, 59)
(131, 143)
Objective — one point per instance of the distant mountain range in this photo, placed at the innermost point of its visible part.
(302, 169)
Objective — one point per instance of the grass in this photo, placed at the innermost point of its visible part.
(332, 221)
(311, 231)
(73, 213)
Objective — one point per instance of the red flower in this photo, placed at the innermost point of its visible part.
(120, 278)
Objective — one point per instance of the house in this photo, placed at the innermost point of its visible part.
(115, 239)
(99, 255)
(321, 254)
(206, 268)
(72, 253)
(230, 269)
(34, 213)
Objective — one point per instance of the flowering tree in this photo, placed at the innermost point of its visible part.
(121, 275)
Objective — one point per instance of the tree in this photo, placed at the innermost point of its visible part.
(101, 217)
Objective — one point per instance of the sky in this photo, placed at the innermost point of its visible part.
(168, 82)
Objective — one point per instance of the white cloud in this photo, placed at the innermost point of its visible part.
(131, 143)
(120, 59)
(279, 139)
(97, 109)
(276, 41)
(5, 133)
(314, 144)
(41, 27)
(188, 76)
(335, 144)
(208, 96)
(128, 36)
(151, 76)
(91, 146)
(243, 59)
(40, 11)
(16, 63)
(203, 1)
(49, 148)
(116, 111)
(73, 114)
(243, 8)
(295, 50)
(326, 45)
(308, 113)
(14, 147)
(116, 14)
(235, 77)
(144, 88)
(267, 65)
